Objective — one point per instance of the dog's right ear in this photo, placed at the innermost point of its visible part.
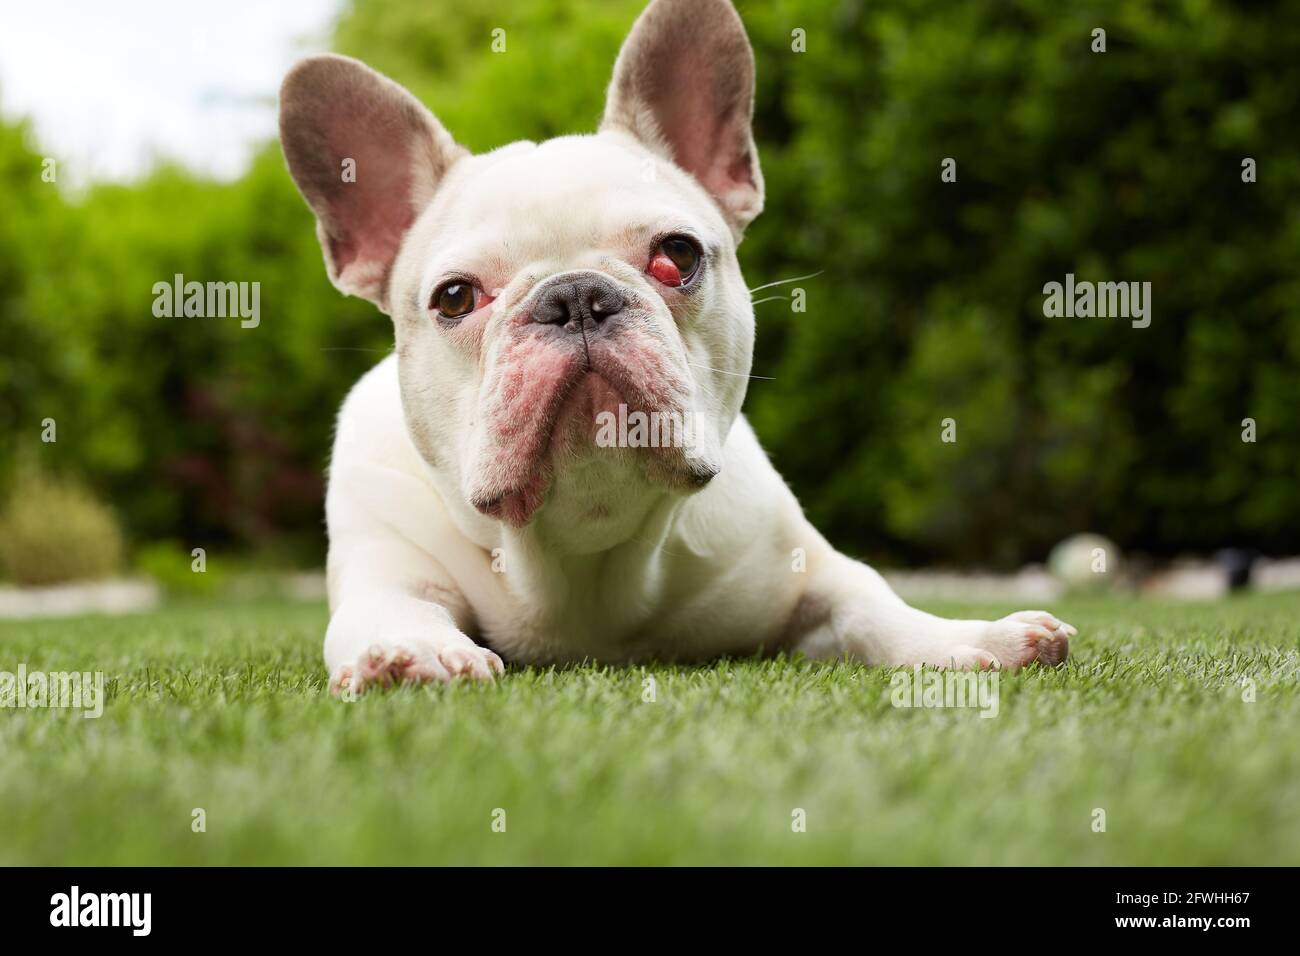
(367, 156)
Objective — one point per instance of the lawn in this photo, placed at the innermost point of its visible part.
(223, 707)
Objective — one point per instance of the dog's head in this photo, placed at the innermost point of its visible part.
(571, 321)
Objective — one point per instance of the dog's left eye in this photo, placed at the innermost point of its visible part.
(455, 299)
(675, 261)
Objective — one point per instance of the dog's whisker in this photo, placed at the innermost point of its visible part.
(768, 285)
(770, 298)
(723, 371)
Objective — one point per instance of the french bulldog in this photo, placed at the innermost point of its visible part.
(539, 292)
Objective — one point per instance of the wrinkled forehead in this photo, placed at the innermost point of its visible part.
(528, 203)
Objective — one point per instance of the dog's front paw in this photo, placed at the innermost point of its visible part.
(384, 665)
(1024, 637)
(400, 643)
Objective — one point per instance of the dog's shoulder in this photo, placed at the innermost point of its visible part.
(371, 427)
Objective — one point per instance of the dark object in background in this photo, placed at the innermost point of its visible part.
(1236, 564)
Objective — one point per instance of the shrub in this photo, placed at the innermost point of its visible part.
(54, 529)
(1124, 165)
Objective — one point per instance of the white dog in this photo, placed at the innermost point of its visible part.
(539, 293)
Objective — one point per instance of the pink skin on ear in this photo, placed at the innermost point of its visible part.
(665, 270)
(370, 217)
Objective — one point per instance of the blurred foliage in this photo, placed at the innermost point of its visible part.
(53, 530)
(173, 567)
(1120, 166)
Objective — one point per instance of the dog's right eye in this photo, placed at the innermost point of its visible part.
(455, 299)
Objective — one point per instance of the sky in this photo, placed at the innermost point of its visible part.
(112, 85)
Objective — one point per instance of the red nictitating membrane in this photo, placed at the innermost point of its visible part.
(665, 270)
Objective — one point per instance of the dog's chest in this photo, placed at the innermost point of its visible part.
(619, 614)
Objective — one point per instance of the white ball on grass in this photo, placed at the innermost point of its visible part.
(1085, 562)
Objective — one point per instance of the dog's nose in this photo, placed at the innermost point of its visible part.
(570, 301)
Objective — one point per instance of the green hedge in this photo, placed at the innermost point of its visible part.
(1123, 165)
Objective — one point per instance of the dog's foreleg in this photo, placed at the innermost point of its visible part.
(396, 614)
(849, 611)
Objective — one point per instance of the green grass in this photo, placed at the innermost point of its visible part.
(224, 708)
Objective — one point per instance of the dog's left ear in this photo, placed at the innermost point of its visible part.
(684, 86)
